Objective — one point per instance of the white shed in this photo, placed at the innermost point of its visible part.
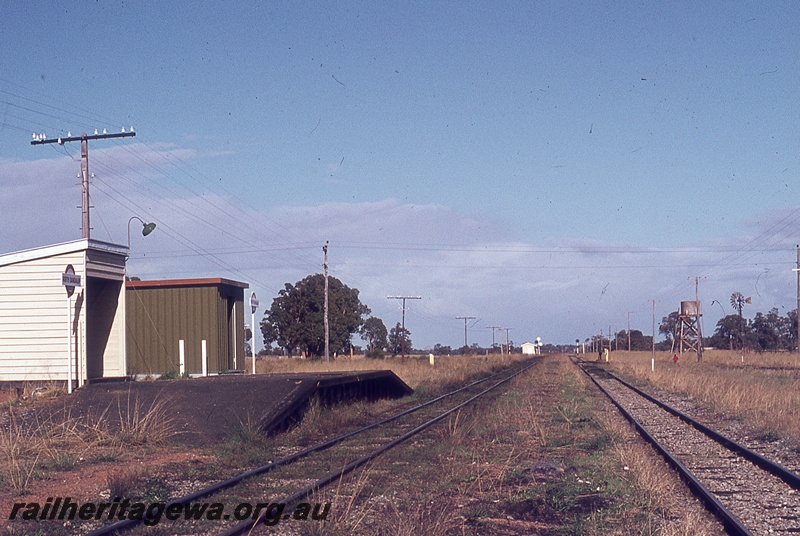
(40, 327)
(529, 348)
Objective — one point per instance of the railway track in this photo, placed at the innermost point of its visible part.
(750, 494)
(286, 483)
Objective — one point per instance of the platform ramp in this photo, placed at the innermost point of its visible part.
(207, 410)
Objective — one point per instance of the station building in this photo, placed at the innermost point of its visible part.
(109, 329)
(46, 335)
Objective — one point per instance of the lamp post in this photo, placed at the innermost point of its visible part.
(147, 228)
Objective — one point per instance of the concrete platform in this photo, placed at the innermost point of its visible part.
(207, 410)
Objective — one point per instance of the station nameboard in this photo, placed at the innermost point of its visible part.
(70, 280)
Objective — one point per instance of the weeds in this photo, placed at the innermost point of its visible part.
(246, 445)
(60, 442)
(350, 516)
(139, 425)
(155, 490)
(123, 483)
(764, 390)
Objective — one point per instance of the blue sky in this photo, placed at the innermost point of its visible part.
(543, 166)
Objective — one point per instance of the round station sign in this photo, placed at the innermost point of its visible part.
(253, 302)
(70, 280)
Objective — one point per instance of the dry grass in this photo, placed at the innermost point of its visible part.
(139, 425)
(59, 441)
(416, 371)
(765, 390)
(538, 459)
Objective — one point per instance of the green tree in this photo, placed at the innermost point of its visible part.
(729, 332)
(295, 321)
(374, 333)
(397, 337)
(770, 330)
(438, 349)
(669, 327)
(639, 341)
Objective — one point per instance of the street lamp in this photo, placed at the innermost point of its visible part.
(147, 228)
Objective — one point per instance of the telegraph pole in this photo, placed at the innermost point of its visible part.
(41, 139)
(493, 328)
(654, 331)
(465, 318)
(325, 320)
(629, 330)
(797, 340)
(403, 325)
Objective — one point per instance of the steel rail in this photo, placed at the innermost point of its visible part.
(236, 479)
(247, 525)
(768, 465)
(712, 502)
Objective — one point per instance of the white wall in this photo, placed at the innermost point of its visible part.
(33, 317)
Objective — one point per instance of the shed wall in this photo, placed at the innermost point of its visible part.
(159, 317)
(33, 318)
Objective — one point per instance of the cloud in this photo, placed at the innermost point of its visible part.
(460, 263)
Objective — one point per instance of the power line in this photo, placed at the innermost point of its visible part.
(40, 139)
(403, 328)
(465, 318)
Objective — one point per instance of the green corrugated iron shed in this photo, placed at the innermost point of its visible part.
(161, 313)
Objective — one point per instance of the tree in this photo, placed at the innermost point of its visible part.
(669, 327)
(295, 321)
(438, 349)
(639, 341)
(770, 330)
(374, 333)
(397, 336)
(729, 332)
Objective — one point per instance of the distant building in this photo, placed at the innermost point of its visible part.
(529, 348)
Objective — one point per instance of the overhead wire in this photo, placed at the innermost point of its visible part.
(222, 209)
(89, 116)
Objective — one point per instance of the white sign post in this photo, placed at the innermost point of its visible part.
(253, 307)
(70, 280)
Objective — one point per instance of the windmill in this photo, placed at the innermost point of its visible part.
(738, 302)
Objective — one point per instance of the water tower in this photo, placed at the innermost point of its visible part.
(690, 337)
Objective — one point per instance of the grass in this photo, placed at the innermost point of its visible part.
(546, 456)
(246, 445)
(764, 390)
(60, 442)
(123, 482)
(537, 459)
(416, 371)
(139, 425)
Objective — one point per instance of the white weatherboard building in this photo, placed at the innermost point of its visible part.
(40, 328)
(532, 348)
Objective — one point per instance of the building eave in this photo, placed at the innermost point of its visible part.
(42, 252)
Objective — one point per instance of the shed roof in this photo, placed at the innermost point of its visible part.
(60, 249)
(174, 283)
